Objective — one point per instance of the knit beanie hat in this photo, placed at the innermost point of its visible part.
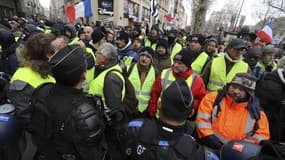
(162, 42)
(185, 57)
(198, 38)
(68, 64)
(245, 80)
(177, 101)
(147, 51)
(97, 35)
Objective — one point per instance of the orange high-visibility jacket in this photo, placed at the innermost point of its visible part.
(233, 121)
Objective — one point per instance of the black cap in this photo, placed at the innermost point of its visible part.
(68, 65)
(254, 52)
(97, 35)
(237, 43)
(172, 33)
(185, 57)
(177, 101)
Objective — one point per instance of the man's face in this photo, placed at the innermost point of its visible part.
(144, 60)
(88, 32)
(58, 44)
(179, 66)
(68, 34)
(121, 43)
(137, 45)
(153, 32)
(251, 60)
(161, 50)
(236, 92)
(267, 58)
(212, 47)
(235, 53)
(100, 59)
(110, 38)
(194, 45)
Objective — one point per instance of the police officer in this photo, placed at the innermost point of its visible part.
(170, 136)
(72, 126)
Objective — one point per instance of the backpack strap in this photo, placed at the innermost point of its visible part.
(218, 100)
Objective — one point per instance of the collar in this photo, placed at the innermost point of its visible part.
(230, 59)
(184, 75)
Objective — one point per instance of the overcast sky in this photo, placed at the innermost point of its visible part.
(45, 3)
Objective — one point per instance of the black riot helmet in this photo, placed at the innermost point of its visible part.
(239, 150)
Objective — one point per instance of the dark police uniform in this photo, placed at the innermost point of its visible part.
(155, 140)
(70, 127)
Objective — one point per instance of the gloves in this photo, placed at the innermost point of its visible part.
(254, 108)
(212, 141)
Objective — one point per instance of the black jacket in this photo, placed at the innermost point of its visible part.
(155, 140)
(271, 91)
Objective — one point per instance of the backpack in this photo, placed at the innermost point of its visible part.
(130, 101)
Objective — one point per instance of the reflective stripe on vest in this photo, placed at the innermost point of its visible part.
(167, 78)
(218, 77)
(249, 126)
(177, 48)
(97, 84)
(90, 72)
(26, 74)
(148, 44)
(199, 62)
(142, 91)
(274, 66)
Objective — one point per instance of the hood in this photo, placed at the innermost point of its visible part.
(72, 29)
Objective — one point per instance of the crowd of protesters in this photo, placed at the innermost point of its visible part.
(66, 93)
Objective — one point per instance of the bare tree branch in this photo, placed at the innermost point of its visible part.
(276, 7)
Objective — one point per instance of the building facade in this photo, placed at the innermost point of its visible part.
(21, 8)
(124, 12)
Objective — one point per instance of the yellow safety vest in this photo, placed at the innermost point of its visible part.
(74, 40)
(148, 44)
(167, 78)
(199, 62)
(177, 48)
(47, 30)
(218, 77)
(275, 66)
(142, 91)
(90, 72)
(97, 84)
(34, 79)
